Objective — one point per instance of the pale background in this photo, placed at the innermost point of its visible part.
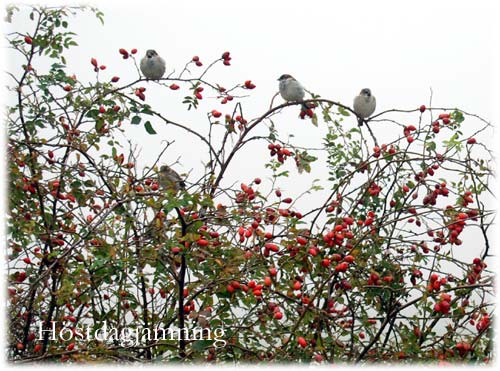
(334, 48)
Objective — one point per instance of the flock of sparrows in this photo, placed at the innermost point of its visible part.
(153, 68)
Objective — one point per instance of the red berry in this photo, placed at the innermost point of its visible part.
(349, 259)
(198, 63)
(174, 86)
(202, 242)
(342, 267)
(93, 61)
(20, 346)
(249, 84)
(21, 277)
(216, 113)
(226, 62)
(198, 95)
(302, 342)
(195, 58)
(67, 88)
(123, 51)
(28, 40)
(71, 346)
(471, 141)
(225, 55)
(325, 262)
(115, 79)
(422, 108)
(133, 51)
(37, 348)
(102, 109)
(267, 281)
(278, 315)
(257, 180)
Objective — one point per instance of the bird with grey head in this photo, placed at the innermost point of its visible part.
(170, 180)
(364, 105)
(152, 65)
(171, 183)
(291, 90)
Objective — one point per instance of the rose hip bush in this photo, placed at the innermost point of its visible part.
(377, 269)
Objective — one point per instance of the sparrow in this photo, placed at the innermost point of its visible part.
(291, 90)
(152, 65)
(170, 180)
(364, 105)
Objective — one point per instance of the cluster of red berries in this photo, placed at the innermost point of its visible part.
(275, 310)
(435, 283)
(377, 151)
(225, 98)
(140, 93)
(256, 288)
(443, 305)
(125, 54)
(307, 111)
(483, 323)
(189, 307)
(439, 190)
(247, 194)
(463, 348)
(339, 233)
(249, 84)
(456, 227)
(197, 92)
(374, 189)
(416, 273)
(374, 279)
(282, 153)
(475, 274)
(407, 132)
(226, 58)
(230, 121)
(93, 62)
(197, 61)
(467, 199)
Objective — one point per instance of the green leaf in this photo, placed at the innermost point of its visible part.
(343, 111)
(136, 120)
(149, 128)
(200, 345)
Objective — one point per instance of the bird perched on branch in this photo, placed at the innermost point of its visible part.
(364, 105)
(291, 90)
(152, 65)
(170, 180)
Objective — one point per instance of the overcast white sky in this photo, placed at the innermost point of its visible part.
(334, 48)
(398, 49)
